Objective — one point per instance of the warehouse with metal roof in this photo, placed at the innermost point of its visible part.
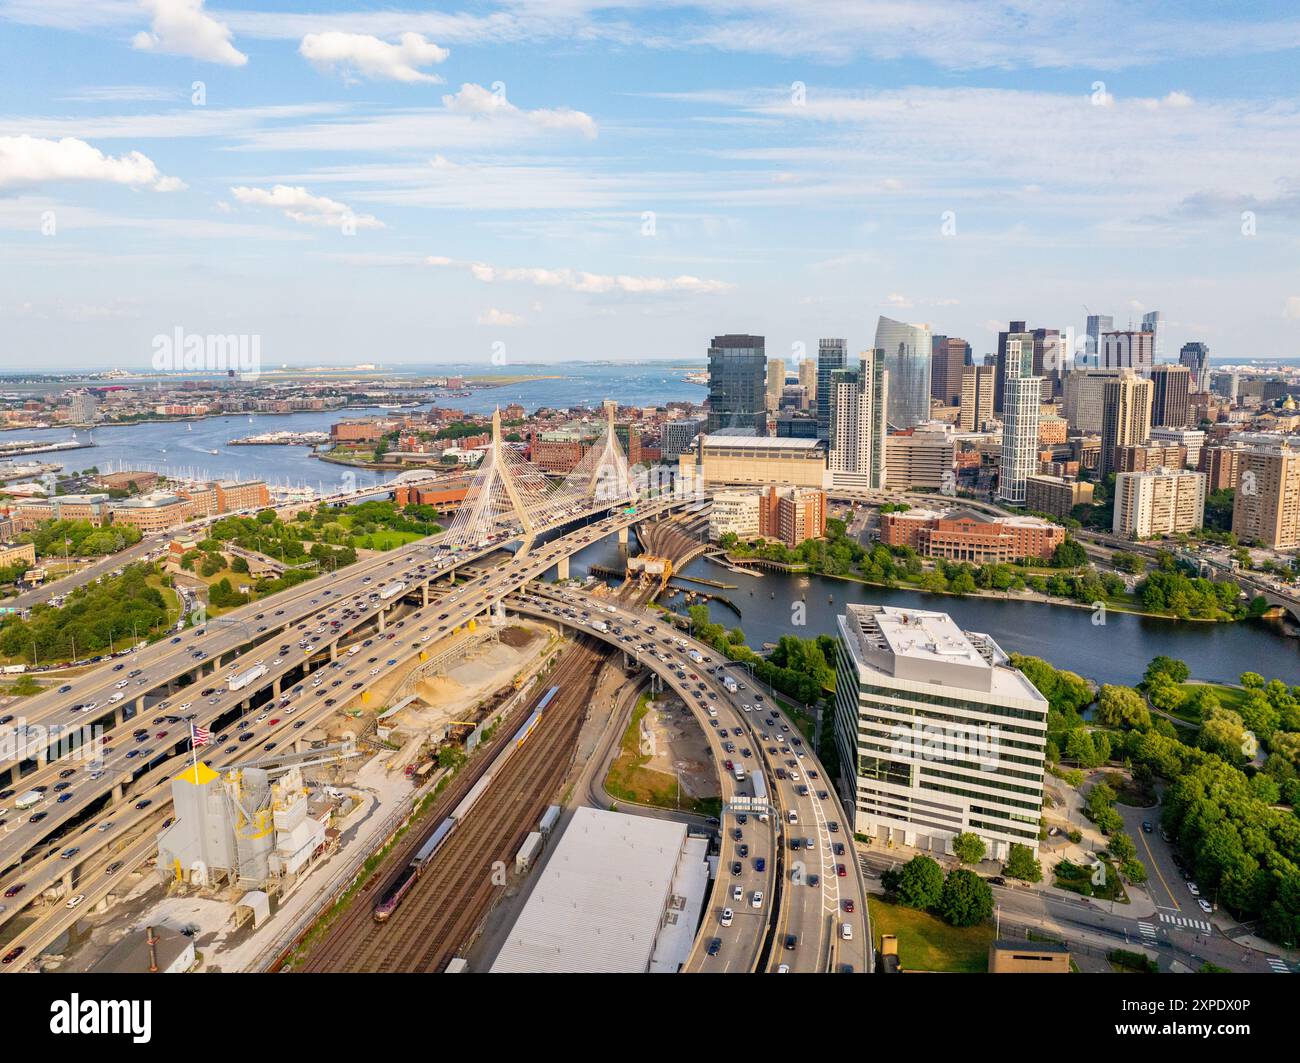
(618, 894)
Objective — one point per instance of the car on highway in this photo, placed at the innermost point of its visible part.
(727, 916)
(715, 946)
(1206, 906)
(1147, 828)
(15, 889)
(848, 904)
(76, 901)
(1193, 889)
(143, 804)
(13, 954)
(791, 940)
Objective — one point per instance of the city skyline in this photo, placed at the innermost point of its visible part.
(522, 182)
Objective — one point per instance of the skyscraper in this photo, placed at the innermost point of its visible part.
(1128, 350)
(907, 361)
(737, 382)
(1097, 324)
(1196, 356)
(1024, 345)
(1125, 417)
(950, 356)
(1171, 398)
(775, 382)
(859, 399)
(1021, 403)
(832, 354)
(976, 397)
(1151, 324)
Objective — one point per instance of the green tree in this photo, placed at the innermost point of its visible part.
(920, 883)
(965, 900)
(1022, 864)
(1120, 706)
(969, 847)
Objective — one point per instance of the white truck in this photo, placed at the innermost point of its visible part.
(354, 650)
(730, 684)
(694, 655)
(238, 682)
(392, 589)
(599, 625)
(31, 797)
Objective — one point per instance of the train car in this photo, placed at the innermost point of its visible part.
(411, 872)
(521, 736)
(547, 699)
(467, 802)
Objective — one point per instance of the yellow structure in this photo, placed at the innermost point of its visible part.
(1028, 957)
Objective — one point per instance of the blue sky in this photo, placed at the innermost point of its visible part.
(573, 179)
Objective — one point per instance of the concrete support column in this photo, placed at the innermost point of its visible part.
(334, 654)
(424, 592)
(562, 568)
(117, 793)
(67, 881)
(381, 617)
(275, 686)
(622, 535)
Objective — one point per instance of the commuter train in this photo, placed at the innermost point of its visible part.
(407, 877)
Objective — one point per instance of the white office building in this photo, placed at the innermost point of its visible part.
(945, 735)
(735, 512)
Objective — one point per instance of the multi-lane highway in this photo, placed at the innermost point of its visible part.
(816, 898)
(386, 649)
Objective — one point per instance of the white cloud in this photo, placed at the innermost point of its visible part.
(582, 281)
(26, 160)
(182, 27)
(372, 58)
(301, 206)
(477, 101)
(500, 318)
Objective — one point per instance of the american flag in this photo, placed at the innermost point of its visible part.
(201, 736)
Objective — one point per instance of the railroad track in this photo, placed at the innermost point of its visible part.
(456, 890)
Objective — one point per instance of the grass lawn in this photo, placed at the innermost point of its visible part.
(927, 943)
(630, 780)
(384, 540)
(1230, 697)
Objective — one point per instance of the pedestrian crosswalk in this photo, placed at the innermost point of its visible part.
(1148, 933)
(1187, 924)
(1279, 966)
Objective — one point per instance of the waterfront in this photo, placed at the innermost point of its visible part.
(1117, 652)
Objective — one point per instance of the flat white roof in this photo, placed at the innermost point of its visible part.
(601, 898)
(920, 646)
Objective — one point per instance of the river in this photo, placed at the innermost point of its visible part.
(1116, 652)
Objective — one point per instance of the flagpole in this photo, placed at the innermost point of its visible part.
(194, 753)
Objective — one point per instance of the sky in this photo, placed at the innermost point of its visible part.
(550, 180)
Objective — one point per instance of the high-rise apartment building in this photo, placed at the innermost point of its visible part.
(907, 360)
(976, 397)
(737, 382)
(1266, 502)
(1171, 396)
(938, 732)
(1126, 417)
(1022, 401)
(1190, 439)
(808, 380)
(675, 436)
(832, 354)
(1021, 406)
(1164, 501)
(859, 400)
(1016, 345)
(775, 382)
(950, 357)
